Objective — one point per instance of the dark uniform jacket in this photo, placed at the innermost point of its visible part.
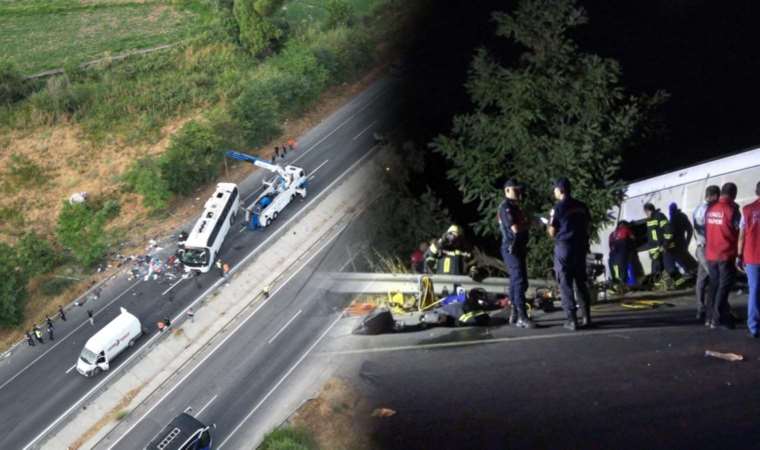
(509, 214)
(571, 219)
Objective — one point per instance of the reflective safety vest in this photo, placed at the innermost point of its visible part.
(476, 317)
(659, 232)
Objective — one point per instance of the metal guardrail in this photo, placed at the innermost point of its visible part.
(382, 283)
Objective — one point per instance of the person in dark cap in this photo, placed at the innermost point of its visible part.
(569, 225)
(514, 248)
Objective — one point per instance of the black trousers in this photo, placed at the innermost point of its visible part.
(570, 268)
(722, 277)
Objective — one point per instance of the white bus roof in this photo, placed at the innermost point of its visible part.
(114, 328)
(708, 169)
(199, 235)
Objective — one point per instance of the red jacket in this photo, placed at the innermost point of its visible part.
(722, 230)
(751, 224)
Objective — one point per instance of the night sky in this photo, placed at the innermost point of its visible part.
(705, 54)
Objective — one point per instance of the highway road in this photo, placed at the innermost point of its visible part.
(39, 384)
(229, 386)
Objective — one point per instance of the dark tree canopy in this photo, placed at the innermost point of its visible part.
(555, 112)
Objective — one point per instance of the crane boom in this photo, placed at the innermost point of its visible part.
(255, 161)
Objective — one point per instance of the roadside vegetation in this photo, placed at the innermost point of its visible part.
(40, 35)
(143, 134)
(288, 438)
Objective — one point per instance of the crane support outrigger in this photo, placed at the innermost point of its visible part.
(280, 190)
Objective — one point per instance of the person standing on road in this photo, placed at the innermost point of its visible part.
(92, 319)
(722, 222)
(660, 238)
(514, 250)
(749, 257)
(30, 339)
(50, 332)
(49, 322)
(191, 315)
(220, 267)
(61, 314)
(703, 271)
(569, 225)
(38, 334)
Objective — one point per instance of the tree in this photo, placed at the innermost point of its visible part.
(257, 29)
(81, 229)
(13, 291)
(194, 157)
(556, 112)
(404, 215)
(36, 255)
(339, 13)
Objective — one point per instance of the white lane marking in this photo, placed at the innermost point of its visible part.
(71, 368)
(200, 411)
(284, 326)
(338, 179)
(59, 341)
(211, 288)
(224, 340)
(284, 377)
(370, 102)
(172, 286)
(485, 341)
(319, 167)
(313, 146)
(364, 130)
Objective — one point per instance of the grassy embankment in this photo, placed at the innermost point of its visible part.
(85, 130)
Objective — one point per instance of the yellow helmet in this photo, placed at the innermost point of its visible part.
(456, 230)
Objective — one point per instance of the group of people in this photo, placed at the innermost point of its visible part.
(569, 225)
(281, 151)
(727, 239)
(36, 332)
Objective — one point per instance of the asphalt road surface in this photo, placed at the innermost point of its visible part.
(638, 380)
(39, 384)
(230, 385)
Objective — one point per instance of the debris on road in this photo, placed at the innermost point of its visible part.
(732, 357)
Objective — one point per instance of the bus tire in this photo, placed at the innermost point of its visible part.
(131, 343)
(274, 217)
(268, 222)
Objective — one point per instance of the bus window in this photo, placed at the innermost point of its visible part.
(195, 256)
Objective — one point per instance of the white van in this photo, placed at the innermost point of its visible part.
(111, 340)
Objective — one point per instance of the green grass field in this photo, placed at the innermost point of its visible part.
(47, 34)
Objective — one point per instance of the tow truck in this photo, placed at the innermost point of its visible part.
(280, 190)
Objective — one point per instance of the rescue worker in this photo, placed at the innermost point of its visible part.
(569, 225)
(660, 239)
(38, 334)
(682, 234)
(621, 243)
(703, 271)
(749, 258)
(722, 222)
(417, 259)
(451, 254)
(30, 339)
(514, 227)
